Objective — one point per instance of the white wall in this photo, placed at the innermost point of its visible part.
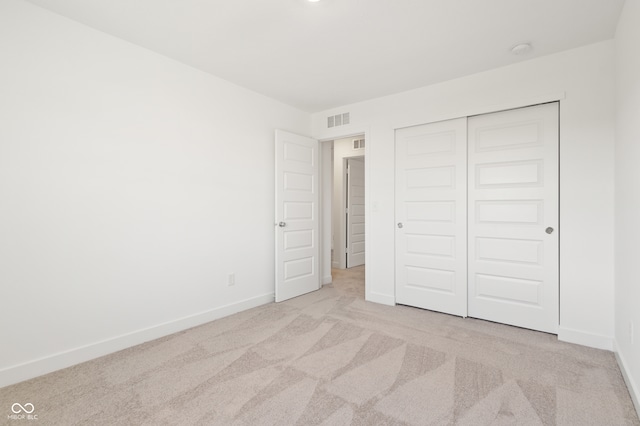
(342, 149)
(584, 81)
(627, 304)
(130, 186)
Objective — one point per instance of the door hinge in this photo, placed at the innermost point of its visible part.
(346, 210)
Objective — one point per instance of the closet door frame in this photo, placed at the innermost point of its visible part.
(555, 98)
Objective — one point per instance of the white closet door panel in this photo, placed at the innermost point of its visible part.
(431, 211)
(513, 199)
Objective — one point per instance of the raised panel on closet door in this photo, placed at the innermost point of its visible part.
(431, 215)
(513, 217)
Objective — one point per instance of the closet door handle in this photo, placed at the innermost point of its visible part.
(400, 225)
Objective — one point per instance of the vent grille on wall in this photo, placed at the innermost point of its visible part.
(358, 144)
(338, 120)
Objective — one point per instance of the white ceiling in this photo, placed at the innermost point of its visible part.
(322, 55)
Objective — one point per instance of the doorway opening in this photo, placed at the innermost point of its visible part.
(343, 205)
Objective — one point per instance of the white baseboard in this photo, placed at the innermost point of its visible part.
(327, 280)
(583, 338)
(58, 361)
(335, 265)
(634, 388)
(383, 299)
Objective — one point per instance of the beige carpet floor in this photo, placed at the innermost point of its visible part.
(330, 358)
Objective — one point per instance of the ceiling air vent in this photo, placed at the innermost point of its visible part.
(338, 119)
(358, 144)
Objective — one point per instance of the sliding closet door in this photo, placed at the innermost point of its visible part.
(513, 217)
(431, 216)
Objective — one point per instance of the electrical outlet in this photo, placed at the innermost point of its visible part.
(231, 279)
(631, 332)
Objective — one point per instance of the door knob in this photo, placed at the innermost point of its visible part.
(549, 230)
(400, 225)
(282, 224)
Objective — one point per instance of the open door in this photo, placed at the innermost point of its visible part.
(355, 212)
(296, 215)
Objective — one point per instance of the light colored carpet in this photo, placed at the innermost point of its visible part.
(330, 358)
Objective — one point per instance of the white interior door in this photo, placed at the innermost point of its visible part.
(355, 212)
(431, 216)
(513, 217)
(297, 222)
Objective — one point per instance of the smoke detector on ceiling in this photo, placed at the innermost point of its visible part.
(521, 49)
